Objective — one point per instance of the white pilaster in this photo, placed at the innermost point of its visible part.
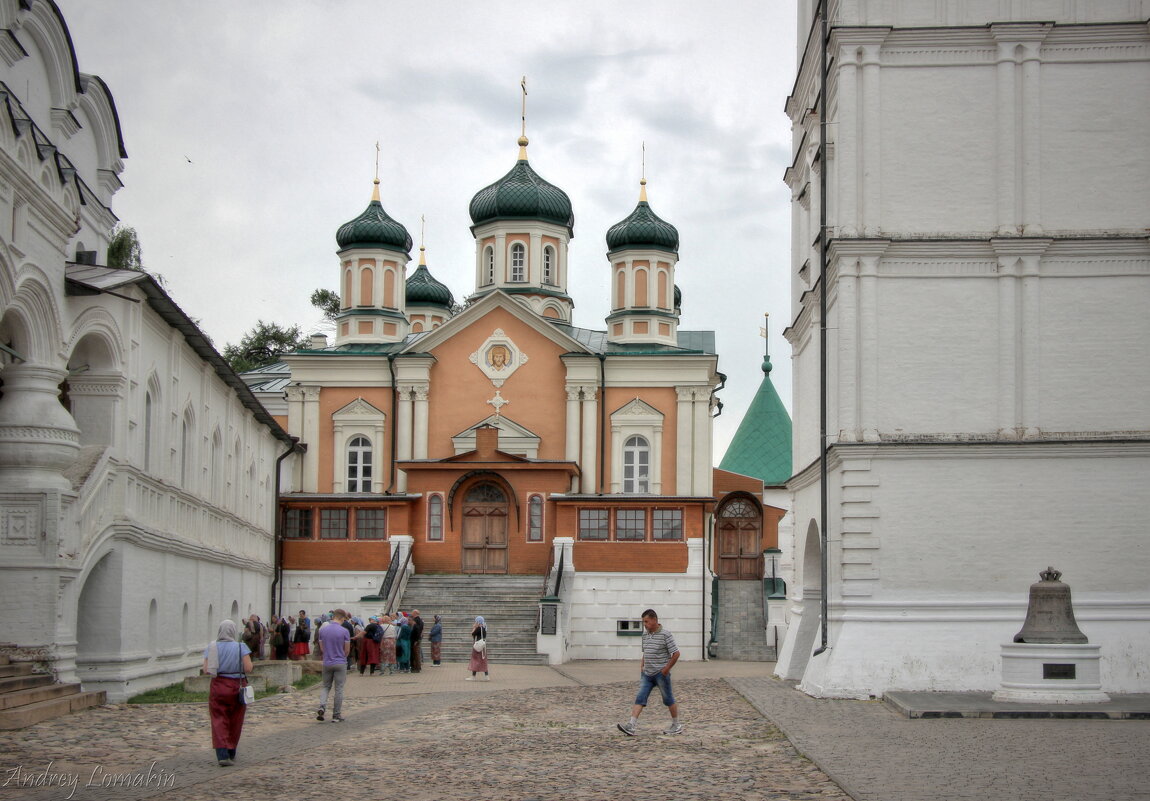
(587, 461)
(311, 437)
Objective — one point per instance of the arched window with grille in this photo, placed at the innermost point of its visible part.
(435, 518)
(548, 265)
(636, 465)
(535, 519)
(359, 465)
(518, 262)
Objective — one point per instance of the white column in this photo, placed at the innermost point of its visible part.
(535, 259)
(311, 437)
(657, 462)
(571, 447)
(1006, 117)
(870, 151)
(847, 163)
(701, 449)
(419, 446)
(403, 423)
(867, 347)
(684, 425)
(500, 259)
(38, 438)
(847, 336)
(590, 429)
(1008, 378)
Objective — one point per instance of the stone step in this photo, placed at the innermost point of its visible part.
(32, 695)
(15, 669)
(23, 716)
(22, 682)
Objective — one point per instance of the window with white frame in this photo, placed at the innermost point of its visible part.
(359, 465)
(636, 465)
(435, 518)
(636, 448)
(548, 265)
(489, 265)
(535, 519)
(518, 262)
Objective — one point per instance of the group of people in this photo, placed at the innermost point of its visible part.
(343, 641)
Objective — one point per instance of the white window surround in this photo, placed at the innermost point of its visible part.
(363, 450)
(358, 419)
(637, 418)
(636, 465)
(535, 502)
(549, 265)
(488, 265)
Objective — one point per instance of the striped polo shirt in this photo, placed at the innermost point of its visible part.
(657, 649)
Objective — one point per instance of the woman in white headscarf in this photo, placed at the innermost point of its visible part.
(478, 659)
(228, 662)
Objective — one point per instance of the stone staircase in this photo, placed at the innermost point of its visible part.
(509, 604)
(741, 628)
(27, 697)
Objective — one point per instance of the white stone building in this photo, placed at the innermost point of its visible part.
(987, 376)
(136, 470)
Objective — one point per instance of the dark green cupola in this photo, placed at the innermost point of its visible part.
(522, 195)
(643, 229)
(375, 228)
(424, 290)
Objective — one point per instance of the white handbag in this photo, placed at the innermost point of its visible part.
(480, 645)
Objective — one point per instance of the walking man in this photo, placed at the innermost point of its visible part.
(334, 644)
(660, 653)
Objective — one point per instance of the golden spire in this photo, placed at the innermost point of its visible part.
(375, 189)
(523, 118)
(643, 177)
(422, 238)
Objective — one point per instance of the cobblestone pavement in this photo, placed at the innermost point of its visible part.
(530, 733)
(877, 755)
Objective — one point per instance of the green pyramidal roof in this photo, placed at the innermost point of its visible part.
(762, 445)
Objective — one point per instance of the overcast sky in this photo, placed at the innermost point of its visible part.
(251, 127)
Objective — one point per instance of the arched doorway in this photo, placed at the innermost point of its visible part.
(99, 612)
(740, 550)
(485, 529)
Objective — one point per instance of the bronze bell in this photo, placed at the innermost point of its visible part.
(1050, 615)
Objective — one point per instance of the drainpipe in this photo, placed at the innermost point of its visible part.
(823, 515)
(602, 418)
(296, 447)
(394, 411)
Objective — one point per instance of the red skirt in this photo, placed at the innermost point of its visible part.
(368, 652)
(299, 649)
(226, 711)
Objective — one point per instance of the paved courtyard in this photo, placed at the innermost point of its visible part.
(549, 733)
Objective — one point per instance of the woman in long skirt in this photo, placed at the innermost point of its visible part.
(478, 659)
(228, 662)
(369, 647)
(436, 640)
(403, 645)
(387, 646)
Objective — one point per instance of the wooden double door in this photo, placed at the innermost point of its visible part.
(740, 541)
(485, 518)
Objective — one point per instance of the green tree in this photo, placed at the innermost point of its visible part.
(327, 302)
(263, 345)
(124, 249)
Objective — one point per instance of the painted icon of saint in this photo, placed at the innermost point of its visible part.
(498, 357)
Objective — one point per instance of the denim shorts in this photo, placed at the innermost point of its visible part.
(648, 683)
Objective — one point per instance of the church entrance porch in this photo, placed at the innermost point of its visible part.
(484, 537)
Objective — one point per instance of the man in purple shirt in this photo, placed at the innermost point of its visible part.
(334, 645)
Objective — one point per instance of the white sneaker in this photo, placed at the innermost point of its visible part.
(628, 729)
(674, 728)
(470, 678)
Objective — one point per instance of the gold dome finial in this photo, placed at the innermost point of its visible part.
(375, 189)
(643, 177)
(422, 239)
(523, 119)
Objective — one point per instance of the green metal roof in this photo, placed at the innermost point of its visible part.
(373, 229)
(689, 342)
(643, 229)
(522, 195)
(422, 287)
(762, 445)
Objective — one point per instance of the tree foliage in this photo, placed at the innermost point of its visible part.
(263, 345)
(124, 249)
(327, 302)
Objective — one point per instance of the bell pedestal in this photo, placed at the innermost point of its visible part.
(1051, 673)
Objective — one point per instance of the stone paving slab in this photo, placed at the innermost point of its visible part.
(875, 754)
(530, 733)
(1132, 706)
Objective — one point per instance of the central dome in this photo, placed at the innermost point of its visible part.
(522, 195)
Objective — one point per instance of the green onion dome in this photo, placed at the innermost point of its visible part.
(373, 229)
(643, 229)
(522, 195)
(678, 298)
(423, 288)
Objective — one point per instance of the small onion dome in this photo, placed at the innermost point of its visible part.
(423, 288)
(373, 229)
(678, 298)
(522, 195)
(643, 229)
